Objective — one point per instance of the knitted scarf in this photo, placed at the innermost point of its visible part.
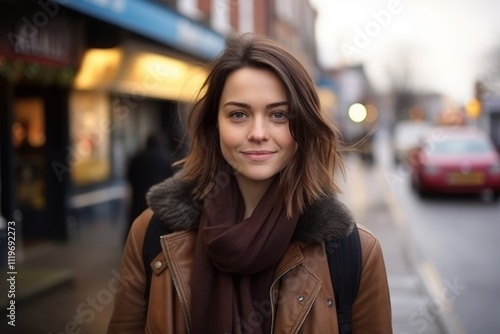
(235, 261)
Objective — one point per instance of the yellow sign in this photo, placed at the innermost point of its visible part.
(473, 108)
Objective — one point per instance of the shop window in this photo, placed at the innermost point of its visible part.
(90, 132)
(28, 132)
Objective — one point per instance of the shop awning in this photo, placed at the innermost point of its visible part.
(156, 22)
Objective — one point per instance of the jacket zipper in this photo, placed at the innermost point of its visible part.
(304, 318)
(187, 318)
(272, 302)
(271, 295)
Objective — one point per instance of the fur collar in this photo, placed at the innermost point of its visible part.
(172, 200)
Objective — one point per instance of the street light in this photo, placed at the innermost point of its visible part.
(357, 112)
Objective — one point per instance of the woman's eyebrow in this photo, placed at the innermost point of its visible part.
(276, 104)
(247, 106)
(237, 104)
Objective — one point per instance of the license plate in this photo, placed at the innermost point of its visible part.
(466, 179)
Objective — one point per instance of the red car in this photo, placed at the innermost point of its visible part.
(456, 160)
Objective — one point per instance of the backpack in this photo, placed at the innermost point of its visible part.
(343, 254)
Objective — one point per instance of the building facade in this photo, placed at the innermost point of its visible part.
(83, 83)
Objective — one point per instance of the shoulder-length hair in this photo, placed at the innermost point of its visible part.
(310, 174)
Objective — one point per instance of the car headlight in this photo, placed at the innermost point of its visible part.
(431, 170)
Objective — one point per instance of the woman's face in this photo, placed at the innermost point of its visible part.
(253, 122)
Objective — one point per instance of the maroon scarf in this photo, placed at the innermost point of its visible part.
(235, 261)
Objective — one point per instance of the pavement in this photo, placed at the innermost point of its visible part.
(69, 287)
(417, 300)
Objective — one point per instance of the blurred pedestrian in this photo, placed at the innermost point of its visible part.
(249, 214)
(146, 168)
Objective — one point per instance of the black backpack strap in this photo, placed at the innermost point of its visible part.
(152, 247)
(344, 260)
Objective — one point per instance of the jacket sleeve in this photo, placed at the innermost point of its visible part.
(371, 312)
(129, 312)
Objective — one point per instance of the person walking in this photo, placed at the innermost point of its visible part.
(145, 169)
(249, 213)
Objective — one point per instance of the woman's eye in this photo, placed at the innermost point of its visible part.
(237, 115)
(280, 115)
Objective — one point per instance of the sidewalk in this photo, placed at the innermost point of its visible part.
(81, 300)
(418, 303)
(74, 293)
(409, 298)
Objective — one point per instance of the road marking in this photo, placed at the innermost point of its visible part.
(435, 283)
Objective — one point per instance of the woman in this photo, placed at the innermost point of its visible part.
(250, 212)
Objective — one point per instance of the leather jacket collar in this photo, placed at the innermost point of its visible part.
(173, 201)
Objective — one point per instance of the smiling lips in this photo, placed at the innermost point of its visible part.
(258, 155)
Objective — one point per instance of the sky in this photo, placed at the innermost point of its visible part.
(442, 45)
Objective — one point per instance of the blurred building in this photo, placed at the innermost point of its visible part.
(292, 24)
(489, 119)
(488, 109)
(82, 84)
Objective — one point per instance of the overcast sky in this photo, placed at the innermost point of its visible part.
(442, 43)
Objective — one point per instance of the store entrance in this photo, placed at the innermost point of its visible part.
(30, 171)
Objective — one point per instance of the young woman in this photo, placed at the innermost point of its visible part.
(250, 212)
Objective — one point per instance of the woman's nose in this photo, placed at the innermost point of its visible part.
(258, 131)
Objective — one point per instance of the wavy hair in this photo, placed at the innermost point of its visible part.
(310, 174)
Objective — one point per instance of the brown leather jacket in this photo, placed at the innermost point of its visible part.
(302, 294)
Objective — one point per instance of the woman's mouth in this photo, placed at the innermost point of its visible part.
(258, 156)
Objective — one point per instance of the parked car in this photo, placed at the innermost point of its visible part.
(456, 160)
(407, 137)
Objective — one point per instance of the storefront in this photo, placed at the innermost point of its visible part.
(82, 85)
(38, 60)
(120, 96)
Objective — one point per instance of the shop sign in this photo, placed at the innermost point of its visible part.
(36, 39)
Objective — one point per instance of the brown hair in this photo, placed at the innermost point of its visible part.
(310, 174)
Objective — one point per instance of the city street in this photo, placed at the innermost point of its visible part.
(439, 255)
(83, 303)
(90, 90)
(458, 238)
